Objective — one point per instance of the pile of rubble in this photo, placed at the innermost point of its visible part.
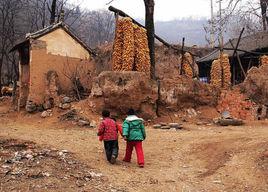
(76, 118)
(237, 104)
(183, 93)
(119, 91)
(27, 167)
(255, 85)
(63, 103)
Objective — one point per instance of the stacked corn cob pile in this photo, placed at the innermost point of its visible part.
(142, 57)
(131, 51)
(226, 71)
(216, 74)
(128, 45)
(186, 65)
(118, 47)
(264, 60)
(221, 72)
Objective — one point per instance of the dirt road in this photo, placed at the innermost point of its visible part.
(198, 158)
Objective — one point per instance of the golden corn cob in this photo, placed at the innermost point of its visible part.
(118, 47)
(128, 45)
(186, 66)
(216, 74)
(142, 57)
(226, 71)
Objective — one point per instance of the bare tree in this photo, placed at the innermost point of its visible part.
(149, 24)
(236, 15)
(53, 11)
(264, 5)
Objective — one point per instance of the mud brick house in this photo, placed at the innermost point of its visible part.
(251, 48)
(53, 49)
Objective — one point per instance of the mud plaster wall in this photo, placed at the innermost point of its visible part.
(59, 52)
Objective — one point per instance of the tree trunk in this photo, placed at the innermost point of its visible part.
(53, 12)
(263, 4)
(1, 63)
(149, 24)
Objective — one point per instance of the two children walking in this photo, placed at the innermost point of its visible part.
(133, 132)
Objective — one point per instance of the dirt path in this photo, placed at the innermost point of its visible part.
(203, 158)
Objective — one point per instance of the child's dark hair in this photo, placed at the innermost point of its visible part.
(131, 112)
(105, 113)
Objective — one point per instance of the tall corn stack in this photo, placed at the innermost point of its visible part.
(220, 73)
(142, 56)
(264, 60)
(216, 74)
(128, 45)
(186, 65)
(118, 47)
(226, 71)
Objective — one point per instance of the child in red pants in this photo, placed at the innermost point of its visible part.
(134, 134)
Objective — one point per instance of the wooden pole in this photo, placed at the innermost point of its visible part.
(235, 53)
(212, 25)
(239, 60)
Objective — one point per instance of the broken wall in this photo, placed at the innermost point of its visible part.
(182, 92)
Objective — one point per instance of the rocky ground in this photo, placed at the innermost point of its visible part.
(39, 154)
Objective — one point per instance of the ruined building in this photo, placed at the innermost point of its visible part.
(49, 60)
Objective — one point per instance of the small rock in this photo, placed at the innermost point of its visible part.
(83, 123)
(30, 107)
(66, 100)
(157, 126)
(165, 127)
(93, 174)
(217, 182)
(174, 125)
(47, 113)
(163, 124)
(46, 174)
(28, 156)
(265, 154)
(65, 151)
(93, 124)
(191, 112)
(65, 106)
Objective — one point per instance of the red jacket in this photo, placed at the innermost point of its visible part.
(108, 130)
